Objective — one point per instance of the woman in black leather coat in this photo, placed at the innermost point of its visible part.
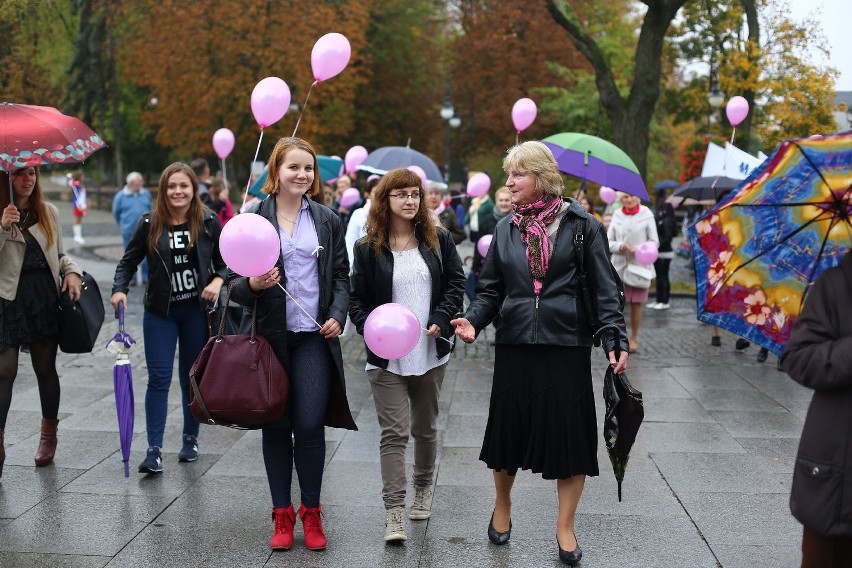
(542, 411)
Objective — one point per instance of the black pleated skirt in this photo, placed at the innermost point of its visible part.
(542, 412)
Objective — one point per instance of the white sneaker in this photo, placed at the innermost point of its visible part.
(421, 507)
(395, 525)
(652, 305)
(661, 307)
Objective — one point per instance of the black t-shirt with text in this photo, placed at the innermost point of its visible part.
(184, 274)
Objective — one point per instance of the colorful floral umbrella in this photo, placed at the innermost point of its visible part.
(591, 158)
(757, 252)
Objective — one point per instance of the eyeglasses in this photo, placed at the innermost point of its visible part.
(402, 196)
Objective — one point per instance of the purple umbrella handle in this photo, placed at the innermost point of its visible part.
(120, 316)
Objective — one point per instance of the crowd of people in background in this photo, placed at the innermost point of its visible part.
(396, 243)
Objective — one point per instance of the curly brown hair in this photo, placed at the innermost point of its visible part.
(162, 215)
(379, 217)
(276, 159)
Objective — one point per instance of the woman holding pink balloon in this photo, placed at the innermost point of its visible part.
(633, 242)
(542, 411)
(408, 264)
(180, 239)
(308, 260)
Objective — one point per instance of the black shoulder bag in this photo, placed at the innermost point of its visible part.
(81, 321)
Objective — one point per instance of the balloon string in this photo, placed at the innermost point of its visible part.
(299, 305)
(224, 173)
(733, 133)
(298, 122)
(439, 337)
(517, 137)
(248, 183)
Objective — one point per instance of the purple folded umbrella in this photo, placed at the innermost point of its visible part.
(122, 380)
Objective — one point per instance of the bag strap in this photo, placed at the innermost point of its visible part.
(582, 269)
(197, 393)
(224, 308)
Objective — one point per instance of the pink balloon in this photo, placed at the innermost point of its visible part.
(270, 100)
(223, 142)
(350, 197)
(737, 110)
(607, 194)
(647, 253)
(483, 244)
(419, 171)
(330, 56)
(478, 184)
(523, 113)
(249, 244)
(391, 330)
(354, 156)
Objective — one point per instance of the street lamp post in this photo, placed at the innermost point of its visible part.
(715, 97)
(450, 121)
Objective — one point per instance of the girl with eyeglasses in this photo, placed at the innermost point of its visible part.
(404, 258)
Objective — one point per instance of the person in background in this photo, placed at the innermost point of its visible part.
(33, 272)
(442, 215)
(502, 209)
(819, 356)
(631, 226)
(542, 411)
(220, 203)
(606, 219)
(79, 204)
(355, 230)
(480, 207)
(180, 238)
(327, 195)
(128, 206)
(584, 201)
(405, 258)
(202, 174)
(303, 329)
(664, 216)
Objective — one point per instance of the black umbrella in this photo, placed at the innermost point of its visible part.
(624, 414)
(702, 190)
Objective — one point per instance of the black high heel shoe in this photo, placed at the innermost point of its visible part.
(570, 558)
(496, 536)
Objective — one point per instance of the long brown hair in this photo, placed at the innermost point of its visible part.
(162, 215)
(378, 219)
(276, 159)
(37, 203)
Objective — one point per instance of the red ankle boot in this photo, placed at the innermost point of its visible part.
(283, 519)
(312, 525)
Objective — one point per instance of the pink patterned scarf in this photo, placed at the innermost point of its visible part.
(532, 220)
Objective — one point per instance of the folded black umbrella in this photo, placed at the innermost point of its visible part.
(624, 414)
(703, 190)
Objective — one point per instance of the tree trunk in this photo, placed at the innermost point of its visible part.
(753, 53)
(631, 118)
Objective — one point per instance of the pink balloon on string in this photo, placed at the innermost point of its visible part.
(391, 330)
(478, 184)
(270, 100)
(223, 142)
(249, 244)
(483, 244)
(737, 110)
(647, 253)
(419, 171)
(354, 156)
(524, 112)
(330, 56)
(350, 197)
(607, 194)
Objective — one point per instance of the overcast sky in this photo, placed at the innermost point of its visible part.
(835, 18)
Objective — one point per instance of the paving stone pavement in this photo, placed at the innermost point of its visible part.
(707, 485)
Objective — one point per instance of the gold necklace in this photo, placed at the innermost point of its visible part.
(405, 247)
(281, 215)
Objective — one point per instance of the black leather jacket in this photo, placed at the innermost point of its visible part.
(159, 290)
(556, 317)
(372, 286)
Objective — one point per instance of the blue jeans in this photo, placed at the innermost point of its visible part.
(186, 327)
(311, 370)
(125, 237)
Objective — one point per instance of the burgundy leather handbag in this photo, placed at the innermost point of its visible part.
(237, 381)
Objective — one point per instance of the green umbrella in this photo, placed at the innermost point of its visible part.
(591, 158)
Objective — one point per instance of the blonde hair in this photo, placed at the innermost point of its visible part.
(536, 158)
